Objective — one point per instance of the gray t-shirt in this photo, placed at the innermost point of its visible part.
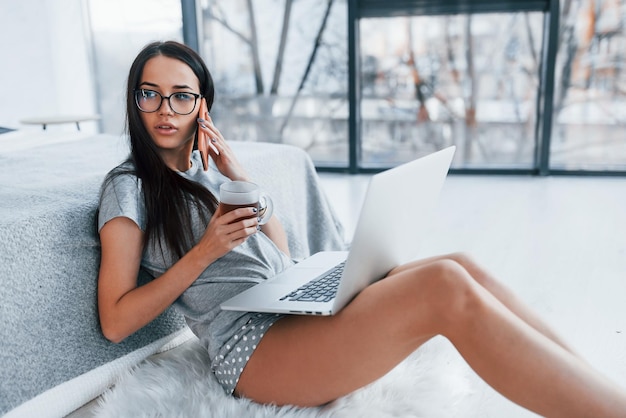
(255, 260)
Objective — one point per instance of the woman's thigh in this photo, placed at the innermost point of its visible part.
(309, 361)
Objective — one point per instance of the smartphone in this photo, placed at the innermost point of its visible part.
(203, 141)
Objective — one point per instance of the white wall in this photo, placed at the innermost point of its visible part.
(44, 62)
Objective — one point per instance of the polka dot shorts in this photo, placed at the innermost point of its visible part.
(235, 353)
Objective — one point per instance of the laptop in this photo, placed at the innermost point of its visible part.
(398, 206)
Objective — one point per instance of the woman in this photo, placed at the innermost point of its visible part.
(158, 211)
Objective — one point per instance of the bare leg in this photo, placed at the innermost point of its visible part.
(313, 360)
(497, 289)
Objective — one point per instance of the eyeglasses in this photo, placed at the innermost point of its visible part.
(150, 101)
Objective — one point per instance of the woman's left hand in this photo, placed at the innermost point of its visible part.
(220, 152)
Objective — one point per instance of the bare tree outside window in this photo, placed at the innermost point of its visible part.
(468, 80)
(589, 125)
(280, 69)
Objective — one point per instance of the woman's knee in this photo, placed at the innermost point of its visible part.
(479, 273)
(463, 258)
(450, 292)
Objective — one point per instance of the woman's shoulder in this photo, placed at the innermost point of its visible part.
(121, 195)
(124, 172)
(121, 179)
(126, 167)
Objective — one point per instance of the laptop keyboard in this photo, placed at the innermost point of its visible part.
(322, 289)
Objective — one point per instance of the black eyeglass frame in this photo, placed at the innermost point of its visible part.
(195, 102)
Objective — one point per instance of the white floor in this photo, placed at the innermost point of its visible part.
(558, 242)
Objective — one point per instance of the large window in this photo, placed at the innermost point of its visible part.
(119, 29)
(519, 86)
(589, 125)
(280, 71)
(469, 80)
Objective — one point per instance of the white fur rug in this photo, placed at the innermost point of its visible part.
(433, 382)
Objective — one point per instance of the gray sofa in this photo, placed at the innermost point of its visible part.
(53, 357)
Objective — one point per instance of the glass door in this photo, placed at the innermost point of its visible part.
(470, 80)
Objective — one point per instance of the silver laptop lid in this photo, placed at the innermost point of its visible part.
(399, 204)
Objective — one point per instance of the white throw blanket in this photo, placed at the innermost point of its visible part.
(433, 382)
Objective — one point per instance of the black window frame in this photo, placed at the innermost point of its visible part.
(359, 9)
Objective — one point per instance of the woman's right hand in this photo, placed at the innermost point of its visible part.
(227, 231)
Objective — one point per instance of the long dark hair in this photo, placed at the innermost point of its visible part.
(169, 197)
